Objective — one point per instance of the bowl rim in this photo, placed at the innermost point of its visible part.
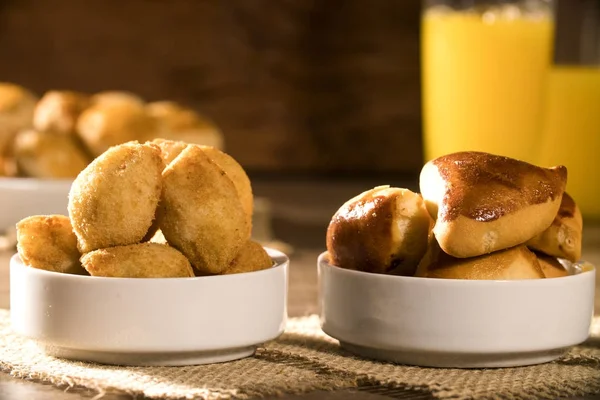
(281, 261)
(324, 262)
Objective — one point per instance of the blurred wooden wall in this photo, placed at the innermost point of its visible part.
(296, 85)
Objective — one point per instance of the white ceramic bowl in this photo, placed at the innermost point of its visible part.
(22, 197)
(168, 321)
(455, 323)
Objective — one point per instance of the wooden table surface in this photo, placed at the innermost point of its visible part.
(300, 212)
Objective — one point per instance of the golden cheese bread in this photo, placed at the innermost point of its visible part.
(551, 267)
(484, 203)
(515, 263)
(563, 238)
(382, 230)
(57, 111)
(16, 112)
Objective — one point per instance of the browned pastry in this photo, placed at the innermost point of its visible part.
(58, 111)
(252, 257)
(485, 203)
(48, 242)
(201, 213)
(105, 125)
(179, 123)
(510, 264)
(382, 230)
(16, 112)
(563, 238)
(551, 267)
(142, 260)
(113, 201)
(48, 155)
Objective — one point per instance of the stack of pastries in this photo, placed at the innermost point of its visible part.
(59, 134)
(154, 210)
(478, 216)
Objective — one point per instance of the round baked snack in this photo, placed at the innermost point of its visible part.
(58, 111)
(563, 238)
(382, 230)
(551, 267)
(105, 125)
(252, 257)
(16, 112)
(48, 242)
(201, 213)
(142, 260)
(48, 155)
(484, 203)
(110, 97)
(113, 200)
(171, 149)
(515, 263)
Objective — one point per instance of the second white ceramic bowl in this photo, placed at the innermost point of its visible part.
(22, 197)
(455, 323)
(170, 321)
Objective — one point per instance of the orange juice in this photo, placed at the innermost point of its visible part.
(571, 132)
(483, 80)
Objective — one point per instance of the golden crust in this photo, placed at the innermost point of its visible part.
(58, 111)
(252, 257)
(106, 125)
(16, 112)
(515, 263)
(201, 213)
(48, 242)
(551, 267)
(143, 260)
(113, 200)
(563, 237)
(48, 155)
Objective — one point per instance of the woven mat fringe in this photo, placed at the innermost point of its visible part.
(304, 359)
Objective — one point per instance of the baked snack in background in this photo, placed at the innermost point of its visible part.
(382, 230)
(484, 203)
(48, 242)
(514, 263)
(563, 237)
(95, 122)
(113, 201)
(105, 125)
(48, 155)
(201, 213)
(551, 267)
(178, 123)
(109, 97)
(143, 260)
(16, 113)
(58, 111)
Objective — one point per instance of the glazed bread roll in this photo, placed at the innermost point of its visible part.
(383, 230)
(16, 112)
(510, 264)
(57, 111)
(485, 203)
(103, 126)
(551, 267)
(110, 97)
(563, 238)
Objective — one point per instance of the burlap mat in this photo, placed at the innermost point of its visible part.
(302, 360)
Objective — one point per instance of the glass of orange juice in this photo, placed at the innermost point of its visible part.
(484, 65)
(571, 123)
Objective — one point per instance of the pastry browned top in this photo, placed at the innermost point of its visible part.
(484, 187)
(361, 232)
(567, 208)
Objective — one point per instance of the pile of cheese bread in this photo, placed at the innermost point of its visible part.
(478, 216)
(59, 134)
